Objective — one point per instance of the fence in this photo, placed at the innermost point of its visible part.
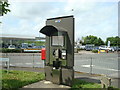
(24, 59)
(106, 63)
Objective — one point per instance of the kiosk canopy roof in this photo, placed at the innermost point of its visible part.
(50, 30)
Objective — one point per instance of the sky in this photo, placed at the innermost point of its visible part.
(93, 17)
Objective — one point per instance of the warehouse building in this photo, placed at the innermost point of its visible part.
(6, 40)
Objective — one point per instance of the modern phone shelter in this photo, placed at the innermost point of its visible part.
(59, 60)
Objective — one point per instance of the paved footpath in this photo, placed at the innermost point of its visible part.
(45, 84)
(95, 78)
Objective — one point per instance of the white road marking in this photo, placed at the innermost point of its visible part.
(25, 63)
(96, 67)
(82, 60)
(87, 65)
(28, 63)
(11, 65)
(19, 63)
(109, 69)
(38, 63)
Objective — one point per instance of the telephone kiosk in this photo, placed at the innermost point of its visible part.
(59, 55)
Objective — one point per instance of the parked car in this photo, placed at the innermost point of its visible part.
(89, 47)
(96, 48)
(11, 47)
(118, 49)
(106, 48)
(24, 45)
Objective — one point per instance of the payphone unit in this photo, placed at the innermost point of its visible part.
(59, 49)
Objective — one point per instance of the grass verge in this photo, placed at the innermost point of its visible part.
(18, 79)
(77, 83)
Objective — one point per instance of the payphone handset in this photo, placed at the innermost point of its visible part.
(57, 53)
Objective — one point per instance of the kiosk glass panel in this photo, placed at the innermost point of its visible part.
(57, 41)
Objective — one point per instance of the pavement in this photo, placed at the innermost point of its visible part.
(46, 84)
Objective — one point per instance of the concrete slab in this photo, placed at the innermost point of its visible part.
(46, 84)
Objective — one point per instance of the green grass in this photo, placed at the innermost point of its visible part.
(18, 79)
(77, 83)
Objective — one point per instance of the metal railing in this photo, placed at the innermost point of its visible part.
(24, 59)
(107, 63)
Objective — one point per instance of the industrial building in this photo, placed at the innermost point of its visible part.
(6, 40)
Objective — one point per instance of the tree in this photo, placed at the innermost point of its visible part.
(4, 7)
(93, 40)
(114, 41)
(82, 41)
(100, 42)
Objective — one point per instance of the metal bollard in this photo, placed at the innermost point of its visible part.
(33, 60)
(91, 65)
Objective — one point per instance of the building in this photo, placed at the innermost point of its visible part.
(7, 40)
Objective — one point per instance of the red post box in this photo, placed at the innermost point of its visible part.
(43, 54)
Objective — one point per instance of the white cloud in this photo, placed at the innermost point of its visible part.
(37, 1)
(89, 18)
(63, 0)
(100, 21)
(32, 10)
(79, 5)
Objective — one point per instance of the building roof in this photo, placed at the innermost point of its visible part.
(20, 37)
(16, 36)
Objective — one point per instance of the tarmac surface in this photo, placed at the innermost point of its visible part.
(84, 61)
(95, 78)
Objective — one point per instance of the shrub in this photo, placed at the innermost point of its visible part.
(6, 50)
(95, 51)
(79, 49)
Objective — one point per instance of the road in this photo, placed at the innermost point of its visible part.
(103, 63)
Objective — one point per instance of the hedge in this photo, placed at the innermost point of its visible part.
(5, 50)
(95, 51)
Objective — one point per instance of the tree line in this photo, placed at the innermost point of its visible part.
(97, 41)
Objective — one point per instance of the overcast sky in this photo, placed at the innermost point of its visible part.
(91, 18)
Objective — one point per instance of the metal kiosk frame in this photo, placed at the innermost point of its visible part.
(59, 49)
